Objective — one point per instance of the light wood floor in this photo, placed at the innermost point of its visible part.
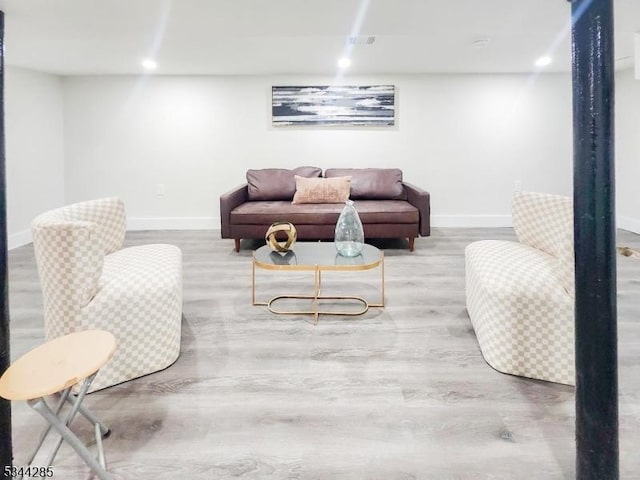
(400, 393)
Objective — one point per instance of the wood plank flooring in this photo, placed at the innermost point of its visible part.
(396, 394)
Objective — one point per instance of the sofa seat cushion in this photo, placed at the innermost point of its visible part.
(370, 211)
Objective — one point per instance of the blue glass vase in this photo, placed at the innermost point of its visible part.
(349, 235)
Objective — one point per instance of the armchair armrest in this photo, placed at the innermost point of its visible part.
(70, 259)
(229, 201)
(420, 199)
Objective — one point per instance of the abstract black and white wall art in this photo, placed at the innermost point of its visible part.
(372, 105)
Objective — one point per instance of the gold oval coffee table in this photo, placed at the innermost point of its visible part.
(317, 257)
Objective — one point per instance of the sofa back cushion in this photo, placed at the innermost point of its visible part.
(545, 222)
(372, 183)
(276, 183)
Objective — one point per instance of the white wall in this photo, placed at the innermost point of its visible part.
(465, 138)
(34, 149)
(627, 151)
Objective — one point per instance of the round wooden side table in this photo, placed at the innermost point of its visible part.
(53, 368)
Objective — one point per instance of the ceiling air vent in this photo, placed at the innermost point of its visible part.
(361, 39)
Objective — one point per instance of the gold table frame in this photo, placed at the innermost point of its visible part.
(318, 268)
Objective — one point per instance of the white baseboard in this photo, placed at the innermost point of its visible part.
(487, 221)
(173, 223)
(15, 240)
(471, 221)
(628, 223)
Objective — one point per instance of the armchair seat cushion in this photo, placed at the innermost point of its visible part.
(148, 267)
(521, 314)
(510, 268)
(140, 301)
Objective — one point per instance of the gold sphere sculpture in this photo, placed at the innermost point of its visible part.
(281, 246)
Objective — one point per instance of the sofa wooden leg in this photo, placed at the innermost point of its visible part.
(411, 240)
(237, 242)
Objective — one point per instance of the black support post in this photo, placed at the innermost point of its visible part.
(594, 228)
(6, 449)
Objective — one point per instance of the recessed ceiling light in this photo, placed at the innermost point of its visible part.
(480, 43)
(543, 61)
(149, 64)
(344, 62)
(361, 39)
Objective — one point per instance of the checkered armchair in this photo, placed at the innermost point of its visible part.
(520, 295)
(90, 282)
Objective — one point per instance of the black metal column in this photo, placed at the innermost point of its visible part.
(594, 216)
(6, 449)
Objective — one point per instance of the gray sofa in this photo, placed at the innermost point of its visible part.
(388, 206)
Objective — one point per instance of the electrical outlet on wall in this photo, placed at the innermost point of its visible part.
(517, 186)
(160, 189)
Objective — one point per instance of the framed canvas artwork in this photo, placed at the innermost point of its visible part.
(372, 105)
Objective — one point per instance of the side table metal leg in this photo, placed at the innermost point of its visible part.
(104, 430)
(101, 458)
(253, 280)
(64, 396)
(40, 406)
(316, 293)
(382, 268)
(71, 415)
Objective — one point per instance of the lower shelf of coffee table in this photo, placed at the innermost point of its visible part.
(316, 310)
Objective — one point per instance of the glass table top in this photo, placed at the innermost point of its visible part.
(308, 255)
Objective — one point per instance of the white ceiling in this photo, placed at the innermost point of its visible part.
(226, 37)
